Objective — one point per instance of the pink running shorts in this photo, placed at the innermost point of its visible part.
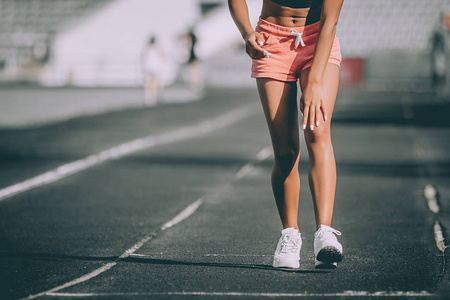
(285, 63)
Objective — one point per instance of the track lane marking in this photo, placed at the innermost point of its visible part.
(264, 153)
(128, 148)
(247, 168)
(184, 214)
(439, 236)
(237, 255)
(430, 194)
(209, 255)
(268, 295)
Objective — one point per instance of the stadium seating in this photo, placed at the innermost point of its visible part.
(366, 27)
(23, 23)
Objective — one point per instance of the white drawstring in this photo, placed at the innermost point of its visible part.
(298, 38)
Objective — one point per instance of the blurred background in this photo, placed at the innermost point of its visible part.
(175, 48)
(115, 115)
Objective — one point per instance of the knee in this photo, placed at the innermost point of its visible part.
(286, 159)
(319, 137)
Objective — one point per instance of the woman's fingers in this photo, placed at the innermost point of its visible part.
(254, 43)
(318, 113)
(324, 112)
(305, 115)
(314, 110)
(257, 52)
(312, 116)
(253, 53)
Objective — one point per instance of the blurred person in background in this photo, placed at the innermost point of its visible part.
(440, 47)
(152, 62)
(295, 40)
(193, 64)
(446, 21)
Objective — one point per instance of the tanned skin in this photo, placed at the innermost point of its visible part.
(319, 85)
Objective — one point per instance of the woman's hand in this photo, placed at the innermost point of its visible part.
(253, 43)
(312, 106)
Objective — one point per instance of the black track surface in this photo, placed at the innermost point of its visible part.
(388, 146)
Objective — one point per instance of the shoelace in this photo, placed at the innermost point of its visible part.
(298, 38)
(329, 232)
(289, 244)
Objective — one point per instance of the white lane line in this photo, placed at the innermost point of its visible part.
(264, 153)
(209, 255)
(138, 255)
(185, 213)
(75, 281)
(430, 193)
(439, 236)
(237, 255)
(71, 294)
(246, 169)
(243, 294)
(138, 245)
(128, 148)
(188, 211)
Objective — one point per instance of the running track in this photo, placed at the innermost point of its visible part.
(174, 202)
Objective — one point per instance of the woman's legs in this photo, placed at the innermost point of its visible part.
(196, 75)
(322, 164)
(279, 101)
(151, 90)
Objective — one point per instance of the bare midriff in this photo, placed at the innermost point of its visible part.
(288, 16)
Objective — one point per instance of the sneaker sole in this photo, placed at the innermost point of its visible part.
(324, 265)
(286, 264)
(329, 255)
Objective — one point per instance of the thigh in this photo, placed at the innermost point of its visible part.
(279, 101)
(330, 84)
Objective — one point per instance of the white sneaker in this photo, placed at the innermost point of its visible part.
(327, 249)
(287, 253)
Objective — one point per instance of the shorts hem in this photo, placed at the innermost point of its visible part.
(330, 61)
(276, 77)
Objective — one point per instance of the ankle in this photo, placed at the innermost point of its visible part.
(320, 224)
(290, 226)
